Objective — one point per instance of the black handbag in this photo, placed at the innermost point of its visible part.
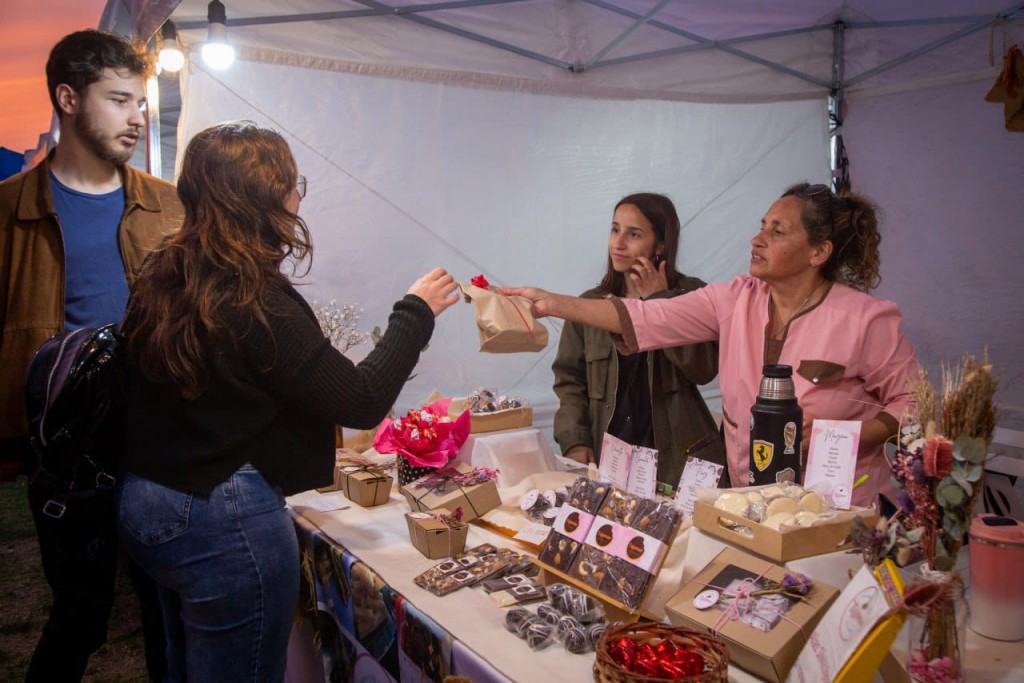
(73, 382)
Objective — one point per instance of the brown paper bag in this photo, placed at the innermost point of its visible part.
(505, 322)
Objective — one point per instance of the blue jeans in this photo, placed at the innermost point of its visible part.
(228, 571)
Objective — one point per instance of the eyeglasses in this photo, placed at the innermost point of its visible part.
(300, 186)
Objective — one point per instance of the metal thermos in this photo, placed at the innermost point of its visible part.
(776, 429)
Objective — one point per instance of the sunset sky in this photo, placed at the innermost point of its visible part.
(28, 29)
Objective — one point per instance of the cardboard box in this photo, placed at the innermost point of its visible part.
(443, 491)
(512, 418)
(434, 538)
(779, 546)
(363, 482)
(365, 488)
(769, 631)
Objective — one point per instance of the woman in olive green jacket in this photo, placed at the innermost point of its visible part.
(649, 399)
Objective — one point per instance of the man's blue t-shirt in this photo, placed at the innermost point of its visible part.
(96, 290)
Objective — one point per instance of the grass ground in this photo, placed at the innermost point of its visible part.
(25, 602)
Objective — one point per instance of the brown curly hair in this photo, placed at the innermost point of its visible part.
(237, 232)
(850, 222)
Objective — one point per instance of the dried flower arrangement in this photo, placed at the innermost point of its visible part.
(939, 466)
(940, 462)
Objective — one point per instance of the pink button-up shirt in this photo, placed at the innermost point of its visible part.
(850, 359)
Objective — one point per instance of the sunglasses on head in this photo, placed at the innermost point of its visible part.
(814, 191)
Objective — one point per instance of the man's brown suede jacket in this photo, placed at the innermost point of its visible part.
(32, 273)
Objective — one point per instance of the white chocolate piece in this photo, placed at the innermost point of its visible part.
(806, 518)
(754, 498)
(812, 502)
(772, 491)
(777, 520)
(782, 505)
(732, 502)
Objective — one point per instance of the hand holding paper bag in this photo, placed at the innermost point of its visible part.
(505, 323)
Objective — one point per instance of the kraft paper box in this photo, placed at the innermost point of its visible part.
(779, 546)
(434, 538)
(443, 492)
(340, 456)
(362, 487)
(769, 631)
(511, 418)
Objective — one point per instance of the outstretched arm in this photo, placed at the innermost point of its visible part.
(599, 313)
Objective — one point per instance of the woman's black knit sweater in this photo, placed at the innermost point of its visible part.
(273, 399)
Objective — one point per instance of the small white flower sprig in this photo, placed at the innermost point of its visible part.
(340, 323)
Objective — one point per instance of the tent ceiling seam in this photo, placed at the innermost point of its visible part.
(573, 88)
(200, 23)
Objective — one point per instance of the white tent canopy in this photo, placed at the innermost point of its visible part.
(496, 137)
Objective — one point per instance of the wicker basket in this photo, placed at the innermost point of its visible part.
(713, 650)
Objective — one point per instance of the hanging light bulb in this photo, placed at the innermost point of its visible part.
(169, 54)
(216, 52)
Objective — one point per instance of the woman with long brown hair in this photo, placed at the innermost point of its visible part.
(234, 393)
(646, 399)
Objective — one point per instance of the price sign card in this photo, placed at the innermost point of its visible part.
(634, 469)
(697, 474)
(615, 456)
(643, 472)
(832, 459)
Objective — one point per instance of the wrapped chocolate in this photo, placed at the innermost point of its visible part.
(467, 569)
(570, 527)
(626, 544)
(518, 595)
(538, 635)
(515, 617)
(595, 631)
(534, 504)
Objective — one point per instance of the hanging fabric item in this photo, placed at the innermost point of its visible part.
(1009, 89)
(843, 182)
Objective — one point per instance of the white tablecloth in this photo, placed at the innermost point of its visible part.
(379, 537)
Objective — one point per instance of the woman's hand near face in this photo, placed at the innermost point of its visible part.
(437, 289)
(581, 454)
(647, 278)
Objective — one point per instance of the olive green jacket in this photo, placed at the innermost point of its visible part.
(586, 377)
(32, 272)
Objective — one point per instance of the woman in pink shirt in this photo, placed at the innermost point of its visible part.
(804, 304)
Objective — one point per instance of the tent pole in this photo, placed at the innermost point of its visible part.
(153, 161)
(625, 34)
(837, 155)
